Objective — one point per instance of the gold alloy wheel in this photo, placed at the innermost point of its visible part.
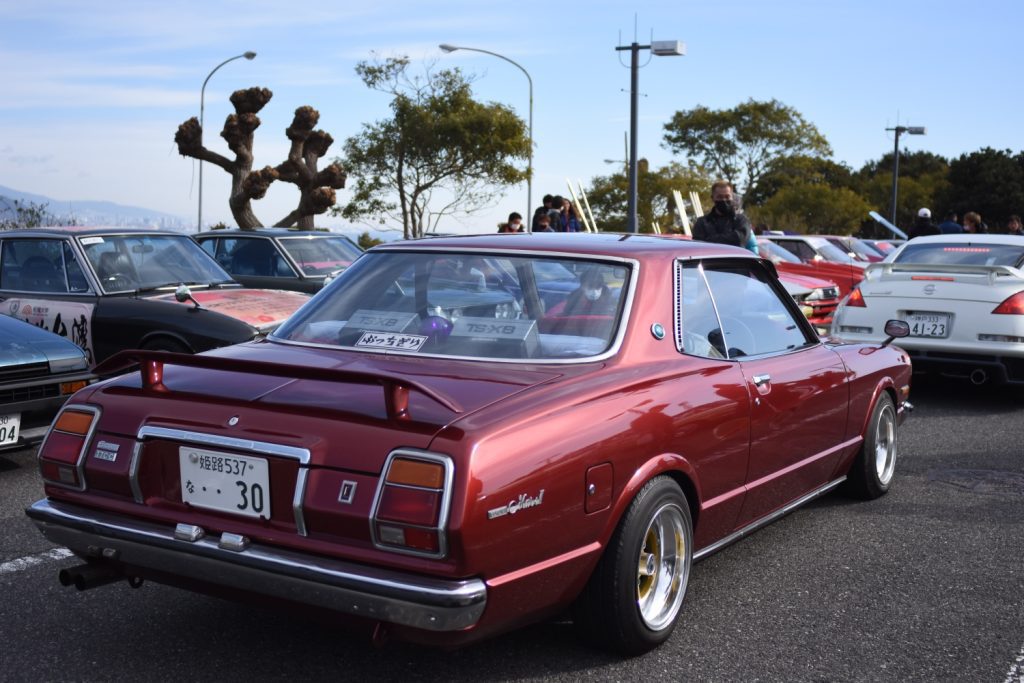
(662, 568)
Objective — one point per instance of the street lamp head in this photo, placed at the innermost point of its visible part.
(249, 55)
(448, 48)
(916, 130)
(668, 48)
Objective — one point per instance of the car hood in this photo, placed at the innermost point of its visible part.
(25, 344)
(794, 281)
(264, 309)
(348, 409)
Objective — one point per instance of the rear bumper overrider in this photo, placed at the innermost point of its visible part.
(348, 588)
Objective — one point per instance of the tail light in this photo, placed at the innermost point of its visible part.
(856, 299)
(410, 510)
(1014, 305)
(62, 453)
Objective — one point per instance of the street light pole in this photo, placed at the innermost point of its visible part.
(660, 48)
(202, 99)
(910, 130)
(529, 169)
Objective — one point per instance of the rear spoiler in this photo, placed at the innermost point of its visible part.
(396, 388)
(883, 269)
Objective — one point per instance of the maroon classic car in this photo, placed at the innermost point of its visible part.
(433, 449)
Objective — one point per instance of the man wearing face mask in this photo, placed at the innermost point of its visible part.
(724, 225)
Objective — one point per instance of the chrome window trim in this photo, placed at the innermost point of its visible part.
(80, 463)
(446, 499)
(202, 438)
(612, 350)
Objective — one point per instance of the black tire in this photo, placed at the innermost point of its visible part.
(872, 471)
(632, 601)
(165, 344)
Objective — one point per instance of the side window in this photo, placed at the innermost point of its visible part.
(251, 257)
(210, 246)
(33, 266)
(754, 316)
(697, 329)
(76, 277)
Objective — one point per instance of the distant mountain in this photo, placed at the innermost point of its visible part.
(85, 212)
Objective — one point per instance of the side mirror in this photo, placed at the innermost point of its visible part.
(896, 329)
(183, 294)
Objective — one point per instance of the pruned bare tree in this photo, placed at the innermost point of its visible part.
(316, 187)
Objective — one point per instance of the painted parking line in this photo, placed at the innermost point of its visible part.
(29, 561)
(1016, 672)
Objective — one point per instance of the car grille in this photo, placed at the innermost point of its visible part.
(8, 396)
(24, 371)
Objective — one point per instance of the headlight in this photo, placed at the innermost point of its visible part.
(822, 293)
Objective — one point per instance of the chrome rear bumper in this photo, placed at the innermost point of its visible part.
(344, 587)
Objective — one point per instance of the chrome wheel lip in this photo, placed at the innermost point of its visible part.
(660, 595)
(885, 445)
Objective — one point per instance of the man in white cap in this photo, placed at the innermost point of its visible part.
(923, 225)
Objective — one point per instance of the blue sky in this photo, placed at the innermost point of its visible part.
(92, 92)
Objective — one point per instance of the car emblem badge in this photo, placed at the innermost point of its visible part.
(233, 421)
(106, 451)
(348, 492)
(929, 289)
(515, 505)
(658, 330)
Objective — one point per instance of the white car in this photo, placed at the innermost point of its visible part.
(963, 297)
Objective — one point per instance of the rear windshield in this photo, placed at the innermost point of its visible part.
(964, 254)
(468, 305)
(321, 255)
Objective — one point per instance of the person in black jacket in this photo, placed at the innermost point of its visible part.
(723, 225)
(923, 225)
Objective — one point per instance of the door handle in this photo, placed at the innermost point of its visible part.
(761, 380)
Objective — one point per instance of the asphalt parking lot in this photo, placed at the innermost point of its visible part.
(924, 584)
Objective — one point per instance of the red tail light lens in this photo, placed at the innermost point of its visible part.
(411, 506)
(856, 299)
(62, 453)
(1014, 305)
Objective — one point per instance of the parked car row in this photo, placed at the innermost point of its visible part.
(459, 436)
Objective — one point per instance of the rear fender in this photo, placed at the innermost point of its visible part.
(671, 464)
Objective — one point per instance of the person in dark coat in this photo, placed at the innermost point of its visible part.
(950, 226)
(923, 225)
(723, 225)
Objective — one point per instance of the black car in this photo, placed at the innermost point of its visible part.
(279, 258)
(38, 371)
(110, 289)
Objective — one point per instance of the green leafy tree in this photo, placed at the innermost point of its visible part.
(740, 144)
(609, 196)
(365, 241)
(923, 183)
(798, 169)
(988, 181)
(807, 207)
(440, 151)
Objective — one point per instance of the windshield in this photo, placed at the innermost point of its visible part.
(963, 253)
(129, 262)
(774, 253)
(831, 252)
(468, 305)
(321, 255)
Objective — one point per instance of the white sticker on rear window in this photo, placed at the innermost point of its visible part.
(383, 340)
(91, 240)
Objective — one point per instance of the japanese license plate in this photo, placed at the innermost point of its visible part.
(10, 428)
(928, 324)
(221, 481)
